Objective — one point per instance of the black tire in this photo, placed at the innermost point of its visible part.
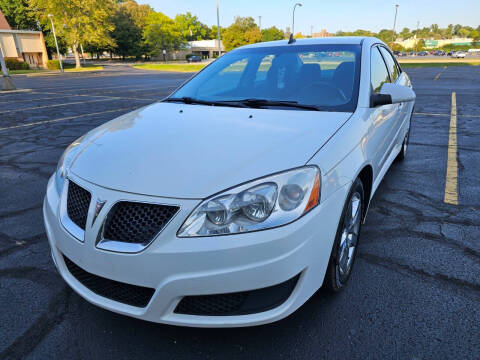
(334, 280)
(403, 153)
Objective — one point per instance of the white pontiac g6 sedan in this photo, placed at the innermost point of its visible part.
(232, 201)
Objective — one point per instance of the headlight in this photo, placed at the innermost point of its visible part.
(64, 163)
(258, 205)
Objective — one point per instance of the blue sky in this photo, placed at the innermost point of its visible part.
(332, 15)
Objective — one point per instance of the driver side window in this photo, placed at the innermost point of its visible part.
(378, 71)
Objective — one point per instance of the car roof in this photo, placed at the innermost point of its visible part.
(338, 40)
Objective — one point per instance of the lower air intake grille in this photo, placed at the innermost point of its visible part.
(78, 201)
(239, 303)
(125, 293)
(138, 223)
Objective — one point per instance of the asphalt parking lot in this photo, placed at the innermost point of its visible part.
(414, 292)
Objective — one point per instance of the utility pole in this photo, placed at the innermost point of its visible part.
(218, 33)
(56, 43)
(293, 17)
(260, 22)
(394, 24)
(7, 80)
(311, 30)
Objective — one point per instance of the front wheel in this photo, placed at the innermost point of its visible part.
(346, 240)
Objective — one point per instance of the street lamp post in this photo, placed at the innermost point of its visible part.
(293, 17)
(218, 32)
(56, 43)
(394, 24)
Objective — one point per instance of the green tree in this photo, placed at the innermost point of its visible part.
(191, 28)
(78, 21)
(126, 34)
(463, 32)
(18, 15)
(272, 34)
(214, 32)
(242, 32)
(405, 33)
(160, 33)
(385, 35)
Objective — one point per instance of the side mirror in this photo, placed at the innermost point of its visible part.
(392, 94)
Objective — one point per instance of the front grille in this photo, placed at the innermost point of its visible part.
(125, 293)
(239, 303)
(134, 222)
(78, 201)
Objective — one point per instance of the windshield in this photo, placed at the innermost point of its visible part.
(325, 77)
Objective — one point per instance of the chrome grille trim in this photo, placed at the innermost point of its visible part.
(72, 228)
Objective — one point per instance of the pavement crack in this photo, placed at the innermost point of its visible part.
(13, 213)
(19, 244)
(48, 320)
(393, 264)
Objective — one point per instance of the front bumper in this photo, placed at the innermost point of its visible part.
(178, 267)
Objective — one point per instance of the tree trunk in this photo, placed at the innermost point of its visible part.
(77, 58)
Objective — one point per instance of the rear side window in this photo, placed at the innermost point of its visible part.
(378, 71)
(391, 64)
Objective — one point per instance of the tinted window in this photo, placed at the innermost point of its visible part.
(392, 66)
(379, 73)
(325, 76)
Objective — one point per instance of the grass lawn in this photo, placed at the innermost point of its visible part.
(436, 64)
(67, 68)
(71, 68)
(15, 72)
(171, 67)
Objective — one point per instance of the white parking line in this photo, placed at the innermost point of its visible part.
(66, 118)
(77, 95)
(440, 73)
(55, 105)
(444, 114)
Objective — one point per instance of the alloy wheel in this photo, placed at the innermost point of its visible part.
(349, 236)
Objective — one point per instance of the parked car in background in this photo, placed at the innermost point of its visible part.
(460, 55)
(194, 58)
(233, 200)
(439, 53)
(422, 53)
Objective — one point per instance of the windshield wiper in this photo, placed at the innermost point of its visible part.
(252, 102)
(264, 102)
(190, 100)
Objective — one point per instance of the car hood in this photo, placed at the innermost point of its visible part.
(193, 151)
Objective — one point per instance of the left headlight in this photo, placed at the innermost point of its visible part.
(257, 205)
(64, 164)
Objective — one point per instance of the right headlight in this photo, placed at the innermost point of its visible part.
(257, 205)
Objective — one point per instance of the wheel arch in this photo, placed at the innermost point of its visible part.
(366, 176)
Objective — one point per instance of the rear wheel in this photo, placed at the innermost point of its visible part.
(345, 246)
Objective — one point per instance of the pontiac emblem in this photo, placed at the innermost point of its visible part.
(98, 208)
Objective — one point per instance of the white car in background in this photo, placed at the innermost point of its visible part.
(231, 202)
(460, 55)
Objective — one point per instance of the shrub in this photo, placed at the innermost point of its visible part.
(53, 64)
(14, 64)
